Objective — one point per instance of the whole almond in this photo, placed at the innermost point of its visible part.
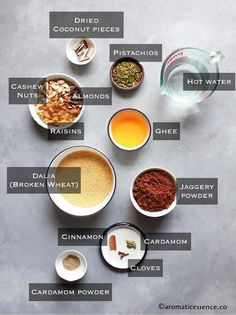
(55, 86)
(53, 94)
(60, 82)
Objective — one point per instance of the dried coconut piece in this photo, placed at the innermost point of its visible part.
(84, 54)
(81, 47)
(79, 43)
(90, 52)
(80, 53)
(87, 58)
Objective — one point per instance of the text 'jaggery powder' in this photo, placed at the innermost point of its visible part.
(154, 190)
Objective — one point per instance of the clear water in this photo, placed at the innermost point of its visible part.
(173, 81)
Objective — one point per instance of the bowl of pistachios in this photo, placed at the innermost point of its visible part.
(127, 74)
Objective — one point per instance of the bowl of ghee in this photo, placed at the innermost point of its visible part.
(129, 129)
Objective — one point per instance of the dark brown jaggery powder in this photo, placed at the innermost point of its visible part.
(154, 190)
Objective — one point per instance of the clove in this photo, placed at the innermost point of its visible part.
(122, 254)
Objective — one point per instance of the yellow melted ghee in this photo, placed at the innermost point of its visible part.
(129, 128)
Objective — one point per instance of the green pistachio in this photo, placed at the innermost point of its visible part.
(127, 74)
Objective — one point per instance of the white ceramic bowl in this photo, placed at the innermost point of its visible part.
(71, 275)
(154, 214)
(113, 140)
(62, 203)
(56, 76)
(71, 54)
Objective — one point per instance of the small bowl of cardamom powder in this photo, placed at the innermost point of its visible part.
(71, 265)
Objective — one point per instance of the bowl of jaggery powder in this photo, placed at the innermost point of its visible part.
(153, 192)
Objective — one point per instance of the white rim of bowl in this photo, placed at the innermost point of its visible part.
(123, 147)
(32, 107)
(81, 63)
(77, 253)
(70, 208)
(154, 214)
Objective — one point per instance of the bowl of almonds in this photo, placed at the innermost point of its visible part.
(59, 103)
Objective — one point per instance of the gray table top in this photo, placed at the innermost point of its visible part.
(29, 223)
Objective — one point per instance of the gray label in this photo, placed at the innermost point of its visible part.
(209, 81)
(201, 191)
(30, 91)
(147, 268)
(141, 52)
(86, 24)
(97, 95)
(25, 90)
(70, 292)
(166, 131)
(75, 132)
(41, 180)
(80, 236)
(168, 241)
